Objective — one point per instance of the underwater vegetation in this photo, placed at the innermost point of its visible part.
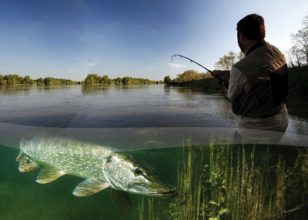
(236, 182)
(215, 181)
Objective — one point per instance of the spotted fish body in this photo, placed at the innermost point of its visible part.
(72, 157)
(101, 166)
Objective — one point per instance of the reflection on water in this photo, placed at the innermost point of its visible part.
(95, 89)
(122, 106)
(107, 107)
(13, 90)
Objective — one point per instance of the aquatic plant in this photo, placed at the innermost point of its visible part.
(236, 182)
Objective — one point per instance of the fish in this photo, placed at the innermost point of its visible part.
(26, 164)
(101, 166)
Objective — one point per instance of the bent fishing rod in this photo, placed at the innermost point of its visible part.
(220, 79)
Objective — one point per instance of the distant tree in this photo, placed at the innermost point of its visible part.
(118, 81)
(227, 61)
(297, 57)
(48, 81)
(3, 81)
(92, 79)
(27, 80)
(189, 75)
(167, 80)
(105, 80)
(299, 50)
(125, 80)
(40, 82)
(13, 80)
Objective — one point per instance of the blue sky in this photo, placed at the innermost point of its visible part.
(71, 38)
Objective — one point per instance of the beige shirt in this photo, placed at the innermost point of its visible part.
(238, 84)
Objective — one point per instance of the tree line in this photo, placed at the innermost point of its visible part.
(14, 79)
(186, 76)
(91, 79)
(298, 54)
(94, 79)
(194, 79)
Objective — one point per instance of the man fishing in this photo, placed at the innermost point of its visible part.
(258, 83)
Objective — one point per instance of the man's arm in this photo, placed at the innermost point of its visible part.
(237, 82)
(220, 74)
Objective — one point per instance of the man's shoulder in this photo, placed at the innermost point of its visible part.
(276, 52)
(273, 48)
(250, 62)
(262, 57)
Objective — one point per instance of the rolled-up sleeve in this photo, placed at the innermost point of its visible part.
(236, 84)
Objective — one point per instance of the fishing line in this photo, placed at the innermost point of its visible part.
(221, 81)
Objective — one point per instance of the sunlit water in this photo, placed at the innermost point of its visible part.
(214, 180)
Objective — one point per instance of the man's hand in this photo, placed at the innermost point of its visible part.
(224, 88)
(222, 74)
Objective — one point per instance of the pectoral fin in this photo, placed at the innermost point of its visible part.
(48, 174)
(26, 164)
(89, 187)
(19, 157)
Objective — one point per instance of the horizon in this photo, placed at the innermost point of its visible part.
(61, 78)
(74, 38)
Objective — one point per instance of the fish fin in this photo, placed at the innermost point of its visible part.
(26, 164)
(48, 174)
(19, 157)
(89, 187)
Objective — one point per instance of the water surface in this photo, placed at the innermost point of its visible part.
(183, 134)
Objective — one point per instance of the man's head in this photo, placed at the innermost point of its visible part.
(250, 30)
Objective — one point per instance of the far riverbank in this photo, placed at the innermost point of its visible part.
(298, 81)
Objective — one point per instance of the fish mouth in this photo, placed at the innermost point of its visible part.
(166, 193)
(154, 192)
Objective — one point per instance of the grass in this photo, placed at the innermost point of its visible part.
(236, 182)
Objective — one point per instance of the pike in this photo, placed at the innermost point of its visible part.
(101, 166)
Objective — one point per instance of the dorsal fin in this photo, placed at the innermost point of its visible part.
(89, 187)
(48, 174)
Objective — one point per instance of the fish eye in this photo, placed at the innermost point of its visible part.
(138, 172)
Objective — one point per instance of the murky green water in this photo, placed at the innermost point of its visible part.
(214, 179)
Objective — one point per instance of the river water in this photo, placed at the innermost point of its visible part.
(186, 136)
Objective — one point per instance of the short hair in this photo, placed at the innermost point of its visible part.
(252, 26)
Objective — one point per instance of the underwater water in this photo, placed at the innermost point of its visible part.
(215, 178)
(214, 181)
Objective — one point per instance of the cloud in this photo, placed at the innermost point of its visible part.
(176, 65)
(90, 64)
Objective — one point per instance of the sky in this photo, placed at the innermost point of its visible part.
(71, 38)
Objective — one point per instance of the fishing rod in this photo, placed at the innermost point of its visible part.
(220, 79)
